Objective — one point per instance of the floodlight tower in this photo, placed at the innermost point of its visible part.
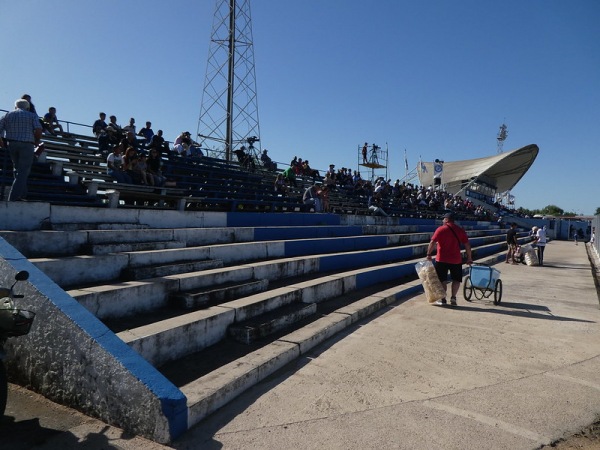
(503, 197)
(502, 135)
(229, 110)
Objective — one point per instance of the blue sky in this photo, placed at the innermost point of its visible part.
(434, 77)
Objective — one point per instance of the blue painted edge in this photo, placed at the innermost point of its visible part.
(173, 401)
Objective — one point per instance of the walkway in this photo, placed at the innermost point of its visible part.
(478, 376)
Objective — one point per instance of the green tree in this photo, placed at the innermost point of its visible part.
(552, 210)
(597, 213)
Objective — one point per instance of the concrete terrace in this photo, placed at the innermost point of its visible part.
(157, 307)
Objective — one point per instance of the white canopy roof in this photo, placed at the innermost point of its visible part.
(502, 171)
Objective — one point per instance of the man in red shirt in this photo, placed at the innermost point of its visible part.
(449, 238)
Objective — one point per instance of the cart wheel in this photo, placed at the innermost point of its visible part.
(467, 288)
(498, 292)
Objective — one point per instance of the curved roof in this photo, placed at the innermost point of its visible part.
(502, 171)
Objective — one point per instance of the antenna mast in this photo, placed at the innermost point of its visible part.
(229, 109)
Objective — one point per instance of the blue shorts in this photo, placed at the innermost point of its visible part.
(442, 269)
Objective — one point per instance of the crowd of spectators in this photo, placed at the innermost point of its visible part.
(136, 157)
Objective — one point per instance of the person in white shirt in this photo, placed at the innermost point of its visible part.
(539, 235)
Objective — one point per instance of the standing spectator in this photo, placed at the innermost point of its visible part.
(364, 153)
(449, 238)
(99, 130)
(511, 241)
(23, 131)
(50, 122)
(539, 239)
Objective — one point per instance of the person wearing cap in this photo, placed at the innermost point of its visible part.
(449, 237)
(23, 131)
(539, 239)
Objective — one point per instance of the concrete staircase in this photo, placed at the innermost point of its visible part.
(233, 303)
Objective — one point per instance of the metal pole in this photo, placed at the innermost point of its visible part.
(230, 81)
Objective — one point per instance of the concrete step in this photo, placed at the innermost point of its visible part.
(218, 294)
(265, 325)
(98, 226)
(174, 338)
(141, 273)
(124, 247)
(179, 336)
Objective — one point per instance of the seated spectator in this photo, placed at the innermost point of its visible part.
(299, 166)
(312, 199)
(185, 146)
(130, 127)
(324, 196)
(146, 133)
(114, 131)
(155, 167)
(158, 142)
(267, 161)
(309, 171)
(328, 181)
(289, 176)
(375, 208)
(244, 158)
(114, 166)
(140, 167)
(280, 185)
(131, 141)
(50, 122)
(130, 161)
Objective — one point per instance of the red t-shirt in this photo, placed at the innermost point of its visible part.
(448, 247)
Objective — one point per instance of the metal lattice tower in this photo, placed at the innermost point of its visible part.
(229, 110)
(502, 135)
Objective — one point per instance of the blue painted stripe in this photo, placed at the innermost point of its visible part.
(372, 258)
(306, 232)
(312, 246)
(173, 401)
(367, 279)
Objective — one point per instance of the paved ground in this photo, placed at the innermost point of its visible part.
(516, 376)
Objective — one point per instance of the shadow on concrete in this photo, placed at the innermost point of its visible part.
(522, 310)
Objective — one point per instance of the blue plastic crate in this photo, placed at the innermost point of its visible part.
(484, 277)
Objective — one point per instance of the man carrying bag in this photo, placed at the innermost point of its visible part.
(448, 239)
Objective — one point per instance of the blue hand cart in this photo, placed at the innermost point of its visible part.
(481, 282)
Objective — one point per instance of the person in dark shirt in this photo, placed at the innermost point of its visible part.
(512, 243)
(158, 142)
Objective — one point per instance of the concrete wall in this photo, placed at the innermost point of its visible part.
(25, 216)
(72, 358)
